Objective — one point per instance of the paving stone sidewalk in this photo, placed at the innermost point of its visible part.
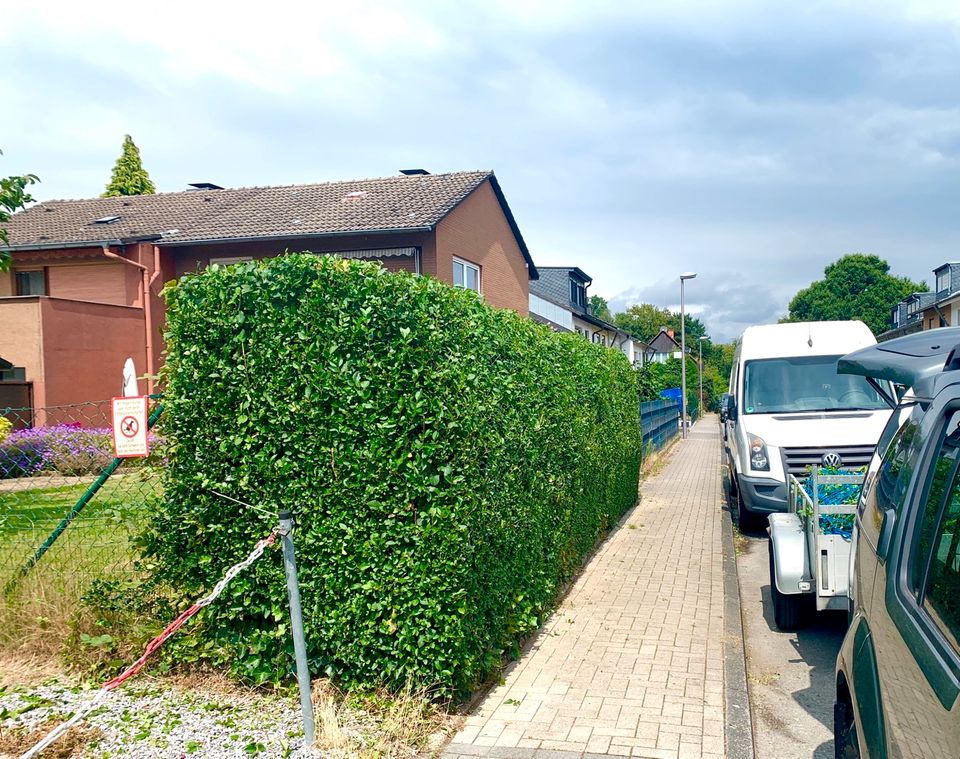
(631, 664)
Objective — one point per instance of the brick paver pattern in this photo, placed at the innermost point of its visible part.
(631, 664)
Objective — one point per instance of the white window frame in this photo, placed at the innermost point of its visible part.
(227, 260)
(466, 265)
(912, 307)
(943, 281)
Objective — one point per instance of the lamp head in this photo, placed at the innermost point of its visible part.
(688, 275)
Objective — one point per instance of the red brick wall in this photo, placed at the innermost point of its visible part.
(478, 232)
(84, 347)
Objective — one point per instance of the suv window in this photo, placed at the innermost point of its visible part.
(886, 487)
(935, 569)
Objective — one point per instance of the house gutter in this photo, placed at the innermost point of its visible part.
(145, 283)
(60, 245)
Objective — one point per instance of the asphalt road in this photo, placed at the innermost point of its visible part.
(790, 676)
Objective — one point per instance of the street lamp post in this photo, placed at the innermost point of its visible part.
(683, 357)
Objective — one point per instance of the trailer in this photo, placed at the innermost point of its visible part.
(810, 545)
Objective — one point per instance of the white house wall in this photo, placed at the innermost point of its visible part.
(553, 312)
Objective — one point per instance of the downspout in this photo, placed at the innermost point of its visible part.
(943, 321)
(145, 282)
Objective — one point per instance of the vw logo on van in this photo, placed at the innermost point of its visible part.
(831, 459)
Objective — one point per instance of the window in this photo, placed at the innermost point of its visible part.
(912, 307)
(935, 565)
(578, 294)
(897, 451)
(943, 281)
(466, 275)
(804, 384)
(32, 282)
(895, 319)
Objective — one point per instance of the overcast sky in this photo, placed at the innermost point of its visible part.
(751, 142)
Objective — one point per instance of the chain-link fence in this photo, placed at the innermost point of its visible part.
(68, 510)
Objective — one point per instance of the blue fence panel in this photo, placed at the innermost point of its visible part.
(659, 422)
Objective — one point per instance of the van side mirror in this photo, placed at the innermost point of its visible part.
(731, 409)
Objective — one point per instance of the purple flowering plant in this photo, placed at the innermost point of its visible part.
(66, 449)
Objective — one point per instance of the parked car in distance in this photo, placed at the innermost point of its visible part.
(724, 414)
(898, 670)
(789, 409)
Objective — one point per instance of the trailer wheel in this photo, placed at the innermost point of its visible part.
(786, 606)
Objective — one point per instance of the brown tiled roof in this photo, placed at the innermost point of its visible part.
(400, 203)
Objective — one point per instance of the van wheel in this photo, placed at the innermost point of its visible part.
(845, 744)
(786, 606)
(746, 519)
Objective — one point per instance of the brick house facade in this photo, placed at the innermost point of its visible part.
(83, 291)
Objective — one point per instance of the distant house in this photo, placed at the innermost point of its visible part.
(82, 294)
(907, 315)
(663, 347)
(560, 300)
(929, 310)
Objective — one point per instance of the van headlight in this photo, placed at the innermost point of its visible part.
(759, 460)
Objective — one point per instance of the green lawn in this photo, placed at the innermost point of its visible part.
(96, 542)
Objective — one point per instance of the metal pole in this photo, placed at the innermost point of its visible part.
(683, 367)
(700, 368)
(296, 626)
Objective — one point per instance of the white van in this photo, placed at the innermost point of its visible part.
(789, 409)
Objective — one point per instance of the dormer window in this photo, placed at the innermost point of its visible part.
(912, 307)
(943, 280)
(578, 294)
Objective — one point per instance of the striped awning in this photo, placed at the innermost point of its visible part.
(375, 253)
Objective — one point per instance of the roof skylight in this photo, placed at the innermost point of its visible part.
(107, 220)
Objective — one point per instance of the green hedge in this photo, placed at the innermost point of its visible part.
(449, 464)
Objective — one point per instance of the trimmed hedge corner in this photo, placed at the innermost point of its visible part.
(449, 464)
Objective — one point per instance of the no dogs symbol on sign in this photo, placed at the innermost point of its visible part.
(130, 427)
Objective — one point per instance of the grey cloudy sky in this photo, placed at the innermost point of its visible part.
(752, 142)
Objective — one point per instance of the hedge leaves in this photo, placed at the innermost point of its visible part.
(449, 466)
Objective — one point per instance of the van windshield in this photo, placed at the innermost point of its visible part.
(805, 383)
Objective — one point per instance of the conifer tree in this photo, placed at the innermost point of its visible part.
(129, 177)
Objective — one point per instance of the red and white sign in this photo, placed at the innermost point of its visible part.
(130, 427)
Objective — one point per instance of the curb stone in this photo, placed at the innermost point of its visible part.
(739, 732)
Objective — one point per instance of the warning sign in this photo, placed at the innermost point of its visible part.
(130, 427)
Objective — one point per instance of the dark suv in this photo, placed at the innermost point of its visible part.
(898, 671)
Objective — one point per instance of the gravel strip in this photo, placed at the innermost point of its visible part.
(148, 720)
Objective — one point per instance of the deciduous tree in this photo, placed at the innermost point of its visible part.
(13, 197)
(643, 321)
(600, 308)
(857, 286)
